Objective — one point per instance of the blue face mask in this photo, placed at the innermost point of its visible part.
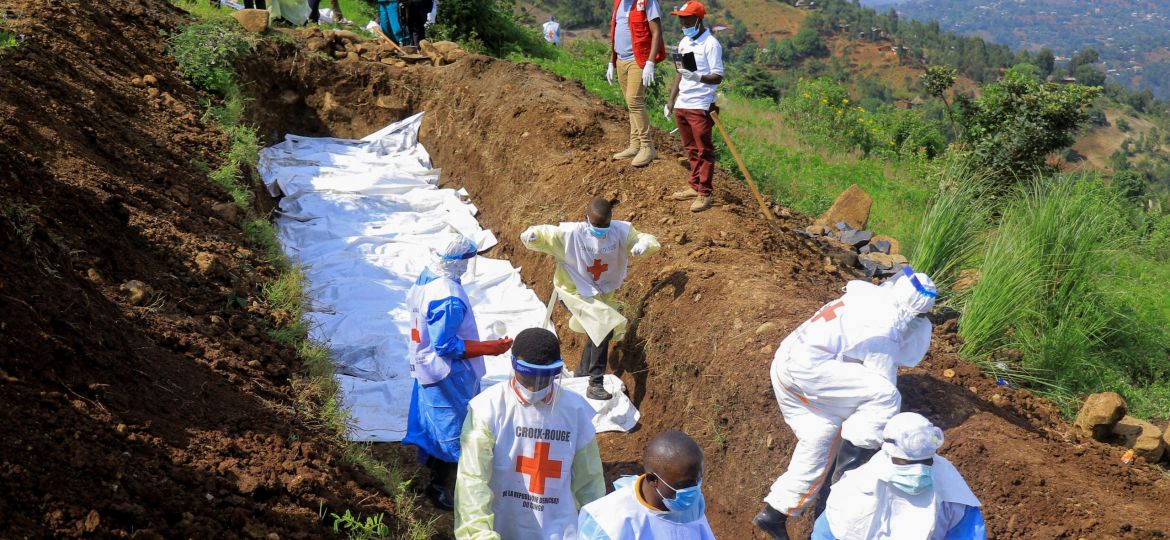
(683, 499)
(691, 32)
(597, 232)
(912, 479)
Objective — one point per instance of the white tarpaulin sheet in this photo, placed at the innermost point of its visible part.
(360, 216)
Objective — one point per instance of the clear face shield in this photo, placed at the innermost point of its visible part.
(535, 382)
(930, 295)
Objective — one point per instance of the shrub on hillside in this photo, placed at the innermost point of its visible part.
(205, 51)
(1018, 121)
(487, 26)
(825, 115)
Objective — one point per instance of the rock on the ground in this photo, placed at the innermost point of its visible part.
(816, 230)
(765, 328)
(1099, 413)
(253, 20)
(208, 264)
(1143, 437)
(852, 207)
(855, 238)
(345, 35)
(1166, 444)
(139, 292)
(895, 247)
(880, 264)
(880, 246)
(445, 47)
(229, 212)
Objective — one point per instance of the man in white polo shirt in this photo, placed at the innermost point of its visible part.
(691, 99)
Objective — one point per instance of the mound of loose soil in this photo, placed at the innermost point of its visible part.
(709, 310)
(168, 414)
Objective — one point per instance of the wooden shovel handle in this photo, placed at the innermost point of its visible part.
(378, 30)
(742, 167)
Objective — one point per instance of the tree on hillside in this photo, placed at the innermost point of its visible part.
(936, 80)
(1018, 121)
(1130, 184)
(1086, 57)
(1089, 76)
(1046, 61)
(755, 81)
(808, 44)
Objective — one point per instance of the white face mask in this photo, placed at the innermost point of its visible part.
(913, 479)
(533, 396)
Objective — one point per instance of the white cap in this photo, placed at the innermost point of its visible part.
(915, 291)
(911, 436)
(450, 260)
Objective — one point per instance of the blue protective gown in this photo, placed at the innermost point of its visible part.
(437, 410)
(971, 527)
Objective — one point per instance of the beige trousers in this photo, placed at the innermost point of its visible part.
(630, 78)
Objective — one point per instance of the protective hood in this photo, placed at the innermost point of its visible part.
(450, 260)
(911, 436)
(914, 292)
(891, 307)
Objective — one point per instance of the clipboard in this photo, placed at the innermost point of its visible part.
(685, 61)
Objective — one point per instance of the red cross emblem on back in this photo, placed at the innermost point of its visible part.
(538, 468)
(828, 312)
(597, 269)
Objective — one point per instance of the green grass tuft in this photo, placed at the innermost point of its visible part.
(8, 41)
(1055, 304)
(949, 238)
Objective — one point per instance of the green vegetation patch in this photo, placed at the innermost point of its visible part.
(8, 41)
(1060, 302)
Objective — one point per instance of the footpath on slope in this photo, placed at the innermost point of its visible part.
(708, 312)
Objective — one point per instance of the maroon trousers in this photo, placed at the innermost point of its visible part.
(694, 126)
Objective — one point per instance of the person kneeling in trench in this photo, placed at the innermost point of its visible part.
(530, 459)
(905, 492)
(592, 259)
(665, 502)
(834, 379)
(446, 360)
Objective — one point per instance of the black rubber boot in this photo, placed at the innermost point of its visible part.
(598, 392)
(773, 522)
(437, 491)
(849, 457)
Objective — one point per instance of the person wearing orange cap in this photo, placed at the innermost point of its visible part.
(691, 100)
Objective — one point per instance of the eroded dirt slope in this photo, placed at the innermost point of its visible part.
(710, 309)
(174, 417)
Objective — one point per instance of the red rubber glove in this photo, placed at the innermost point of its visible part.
(472, 349)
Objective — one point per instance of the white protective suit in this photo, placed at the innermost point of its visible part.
(526, 468)
(864, 505)
(834, 377)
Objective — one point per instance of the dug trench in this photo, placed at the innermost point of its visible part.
(181, 417)
(708, 311)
